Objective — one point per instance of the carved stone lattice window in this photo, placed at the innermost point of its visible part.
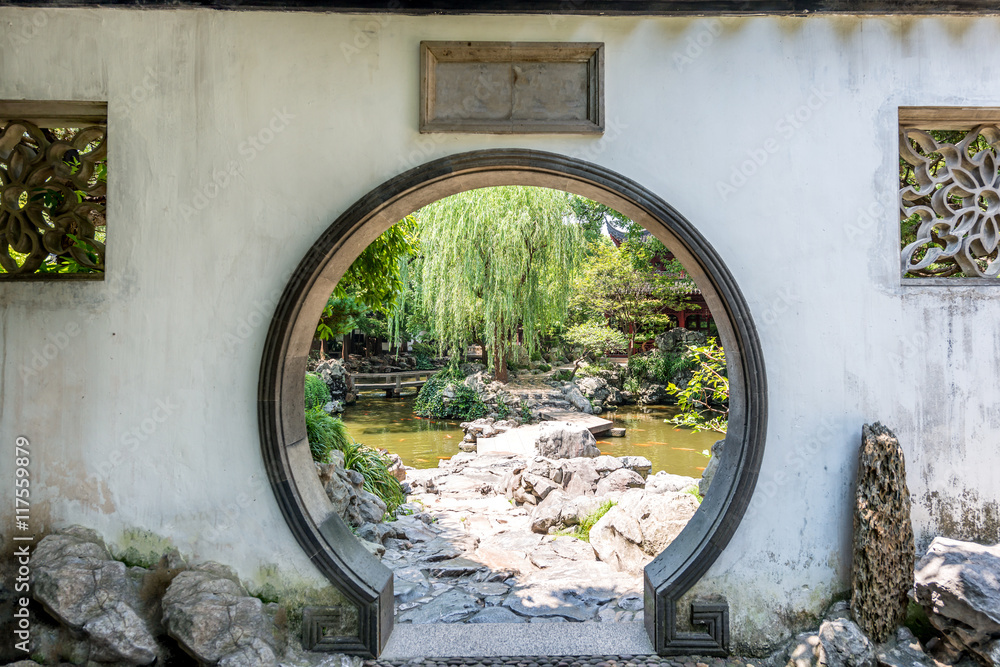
(53, 187)
(949, 192)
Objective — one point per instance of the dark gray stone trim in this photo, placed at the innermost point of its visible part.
(362, 577)
(569, 7)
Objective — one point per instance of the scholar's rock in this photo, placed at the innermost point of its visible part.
(882, 573)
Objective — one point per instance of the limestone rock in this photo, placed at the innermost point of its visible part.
(882, 573)
(664, 482)
(639, 464)
(213, 619)
(562, 440)
(957, 583)
(577, 399)
(641, 526)
(675, 341)
(843, 644)
(594, 389)
(618, 482)
(548, 513)
(605, 464)
(580, 478)
(616, 539)
(78, 583)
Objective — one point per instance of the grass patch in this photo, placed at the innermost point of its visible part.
(694, 492)
(581, 531)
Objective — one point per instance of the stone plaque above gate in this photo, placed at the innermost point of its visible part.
(512, 87)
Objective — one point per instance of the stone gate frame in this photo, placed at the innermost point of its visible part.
(326, 539)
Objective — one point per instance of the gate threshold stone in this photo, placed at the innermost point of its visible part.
(448, 640)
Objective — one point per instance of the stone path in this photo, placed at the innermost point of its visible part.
(468, 557)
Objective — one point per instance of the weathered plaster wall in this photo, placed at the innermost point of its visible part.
(236, 138)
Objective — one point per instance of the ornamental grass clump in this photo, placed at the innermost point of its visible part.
(326, 433)
(317, 393)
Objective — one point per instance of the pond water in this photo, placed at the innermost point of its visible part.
(389, 423)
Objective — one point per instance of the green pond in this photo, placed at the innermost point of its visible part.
(389, 423)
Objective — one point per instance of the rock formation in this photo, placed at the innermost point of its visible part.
(882, 573)
(958, 584)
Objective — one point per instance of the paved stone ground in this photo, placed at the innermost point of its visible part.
(479, 562)
(569, 661)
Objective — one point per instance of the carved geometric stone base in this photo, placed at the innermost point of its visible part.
(321, 628)
(715, 641)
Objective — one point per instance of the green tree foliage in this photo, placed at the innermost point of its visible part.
(593, 339)
(592, 215)
(621, 284)
(374, 279)
(496, 260)
(374, 283)
(704, 401)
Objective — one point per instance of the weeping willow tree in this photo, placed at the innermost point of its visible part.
(496, 260)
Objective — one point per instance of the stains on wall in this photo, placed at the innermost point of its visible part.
(963, 516)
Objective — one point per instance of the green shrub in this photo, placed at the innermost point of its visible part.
(324, 434)
(317, 393)
(467, 405)
(545, 368)
(563, 375)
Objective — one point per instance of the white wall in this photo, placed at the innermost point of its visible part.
(181, 318)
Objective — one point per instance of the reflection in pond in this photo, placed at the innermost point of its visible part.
(390, 424)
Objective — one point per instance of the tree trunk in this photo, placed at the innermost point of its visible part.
(500, 366)
(346, 352)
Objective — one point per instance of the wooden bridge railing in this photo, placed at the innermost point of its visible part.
(391, 383)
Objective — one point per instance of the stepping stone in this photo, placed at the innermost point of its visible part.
(408, 584)
(488, 588)
(537, 602)
(453, 606)
(616, 432)
(631, 602)
(456, 567)
(497, 615)
(574, 549)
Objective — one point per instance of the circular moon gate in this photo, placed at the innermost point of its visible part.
(331, 546)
